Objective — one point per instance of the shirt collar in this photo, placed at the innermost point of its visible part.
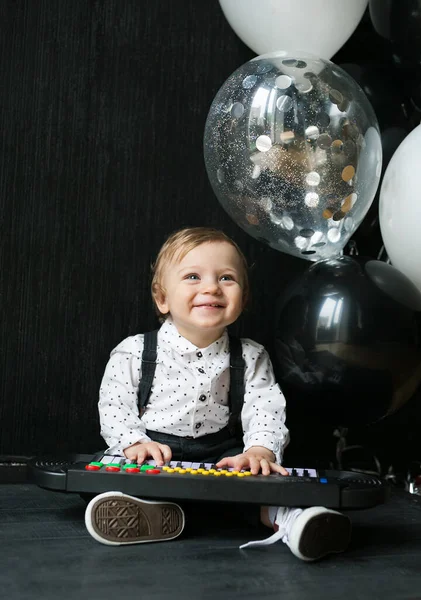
(170, 337)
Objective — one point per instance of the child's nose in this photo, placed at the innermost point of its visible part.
(211, 286)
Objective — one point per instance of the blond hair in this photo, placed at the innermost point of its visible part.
(179, 244)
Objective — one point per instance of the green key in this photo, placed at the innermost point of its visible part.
(147, 467)
(96, 464)
(129, 466)
(114, 465)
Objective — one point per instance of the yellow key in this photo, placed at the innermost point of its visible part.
(205, 472)
(193, 472)
(217, 474)
(181, 471)
(228, 474)
(240, 474)
(212, 471)
(170, 470)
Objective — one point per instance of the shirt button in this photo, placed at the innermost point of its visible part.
(202, 398)
(198, 425)
(201, 370)
(199, 354)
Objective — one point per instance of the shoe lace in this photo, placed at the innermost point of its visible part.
(284, 519)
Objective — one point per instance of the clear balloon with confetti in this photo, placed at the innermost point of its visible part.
(293, 153)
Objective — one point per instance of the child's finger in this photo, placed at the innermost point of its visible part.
(265, 466)
(254, 465)
(166, 452)
(141, 455)
(278, 469)
(155, 452)
(225, 462)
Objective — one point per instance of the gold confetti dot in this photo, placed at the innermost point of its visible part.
(327, 213)
(337, 145)
(347, 205)
(348, 173)
(252, 219)
(286, 136)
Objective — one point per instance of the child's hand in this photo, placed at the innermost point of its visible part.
(143, 450)
(256, 459)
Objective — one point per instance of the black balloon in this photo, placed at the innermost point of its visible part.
(392, 106)
(399, 21)
(367, 239)
(384, 85)
(347, 345)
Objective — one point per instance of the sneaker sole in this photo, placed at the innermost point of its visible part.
(115, 519)
(325, 532)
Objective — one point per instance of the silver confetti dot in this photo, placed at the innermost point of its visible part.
(283, 82)
(284, 103)
(304, 86)
(249, 82)
(312, 178)
(301, 242)
(290, 62)
(264, 68)
(266, 203)
(333, 235)
(312, 132)
(263, 143)
(317, 238)
(237, 110)
(311, 199)
(287, 223)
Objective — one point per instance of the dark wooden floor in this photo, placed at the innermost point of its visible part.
(47, 553)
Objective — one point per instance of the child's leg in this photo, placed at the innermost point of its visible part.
(115, 518)
(310, 533)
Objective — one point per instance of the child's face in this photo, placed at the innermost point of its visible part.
(203, 291)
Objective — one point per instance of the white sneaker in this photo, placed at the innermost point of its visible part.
(115, 518)
(311, 533)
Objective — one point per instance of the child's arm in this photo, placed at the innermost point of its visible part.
(263, 413)
(120, 422)
(263, 416)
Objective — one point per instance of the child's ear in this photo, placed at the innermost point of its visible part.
(160, 299)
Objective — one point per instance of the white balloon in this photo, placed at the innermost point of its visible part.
(400, 207)
(319, 27)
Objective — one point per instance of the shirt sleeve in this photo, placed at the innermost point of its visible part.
(120, 422)
(263, 413)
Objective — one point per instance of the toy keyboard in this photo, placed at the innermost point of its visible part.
(81, 473)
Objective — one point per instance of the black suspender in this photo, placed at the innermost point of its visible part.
(236, 393)
(148, 368)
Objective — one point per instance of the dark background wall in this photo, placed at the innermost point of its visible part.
(103, 106)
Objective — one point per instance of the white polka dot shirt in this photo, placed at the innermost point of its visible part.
(189, 395)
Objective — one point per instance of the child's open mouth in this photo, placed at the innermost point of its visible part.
(209, 306)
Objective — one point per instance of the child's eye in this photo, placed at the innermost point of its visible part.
(192, 276)
(227, 278)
